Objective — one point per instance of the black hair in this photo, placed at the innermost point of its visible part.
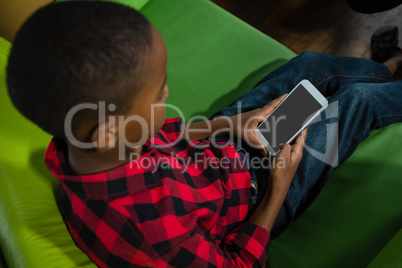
(77, 52)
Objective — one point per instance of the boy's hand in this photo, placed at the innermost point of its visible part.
(281, 175)
(245, 124)
(285, 164)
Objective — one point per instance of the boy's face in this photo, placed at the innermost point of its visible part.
(148, 105)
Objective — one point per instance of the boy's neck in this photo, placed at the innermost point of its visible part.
(84, 162)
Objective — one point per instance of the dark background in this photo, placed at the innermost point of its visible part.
(321, 26)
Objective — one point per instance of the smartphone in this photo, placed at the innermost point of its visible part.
(299, 108)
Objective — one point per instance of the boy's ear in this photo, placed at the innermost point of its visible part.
(105, 136)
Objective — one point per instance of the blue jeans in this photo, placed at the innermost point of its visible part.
(361, 98)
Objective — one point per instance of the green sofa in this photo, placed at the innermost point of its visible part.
(213, 58)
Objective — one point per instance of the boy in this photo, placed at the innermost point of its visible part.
(134, 192)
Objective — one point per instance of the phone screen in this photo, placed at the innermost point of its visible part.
(289, 117)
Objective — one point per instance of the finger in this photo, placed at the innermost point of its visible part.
(268, 108)
(285, 151)
(283, 156)
(297, 147)
(301, 138)
(297, 154)
(304, 135)
(256, 143)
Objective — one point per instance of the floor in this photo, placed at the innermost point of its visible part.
(321, 26)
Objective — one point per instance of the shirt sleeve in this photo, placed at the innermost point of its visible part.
(246, 246)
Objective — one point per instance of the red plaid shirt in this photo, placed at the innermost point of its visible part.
(178, 205)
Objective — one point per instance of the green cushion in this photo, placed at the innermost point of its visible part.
(2, 260)
(213, 58)
(137, 4)
(391, 255)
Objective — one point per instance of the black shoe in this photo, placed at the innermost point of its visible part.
(384, 43)
(373, 6)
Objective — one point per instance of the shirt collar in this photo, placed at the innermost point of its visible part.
(133, 177)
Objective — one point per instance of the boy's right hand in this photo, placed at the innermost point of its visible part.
(281, 175)
(285, 164)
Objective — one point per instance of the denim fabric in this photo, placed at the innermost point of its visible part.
(361, 98)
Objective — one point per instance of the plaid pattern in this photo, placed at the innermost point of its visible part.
(181, 204)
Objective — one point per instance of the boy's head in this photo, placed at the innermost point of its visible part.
(83, 52)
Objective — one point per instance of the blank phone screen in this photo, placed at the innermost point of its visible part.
(289, 117)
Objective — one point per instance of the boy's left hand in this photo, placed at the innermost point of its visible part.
(246, 123)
